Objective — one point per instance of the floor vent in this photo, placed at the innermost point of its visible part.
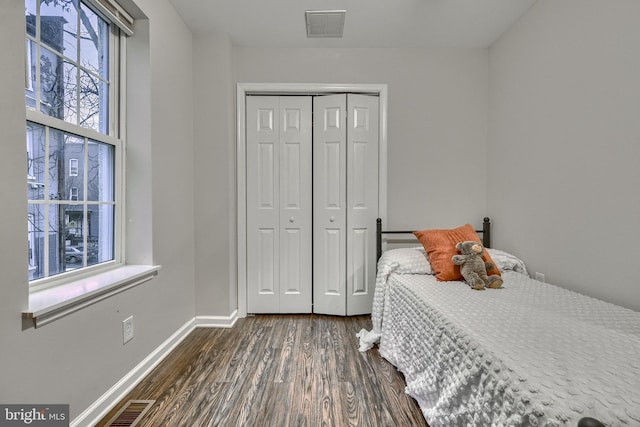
(131, 413)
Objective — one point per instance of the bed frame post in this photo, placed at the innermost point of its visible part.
(486, 232)
(378, 238)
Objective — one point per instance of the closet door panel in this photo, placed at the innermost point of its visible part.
(362, 201)
(295, 205)
(266, 277)
(358, 261)
(333, 178)
(263, 205)
(329, 204)
(332, 240)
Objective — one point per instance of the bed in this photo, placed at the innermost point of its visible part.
(528, 354)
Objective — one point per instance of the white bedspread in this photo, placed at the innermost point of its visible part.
(528, 354)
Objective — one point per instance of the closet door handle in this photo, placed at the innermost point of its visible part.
(292, 219)
(332, 219)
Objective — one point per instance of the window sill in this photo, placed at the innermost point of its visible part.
(50, 304)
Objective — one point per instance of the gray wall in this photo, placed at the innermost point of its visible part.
(214, 166)
(436, 127)
(564, 144)
(78, 358)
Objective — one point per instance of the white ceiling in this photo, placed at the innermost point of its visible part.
(368, 23)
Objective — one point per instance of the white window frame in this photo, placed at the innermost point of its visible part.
(116, 102)
(64, 294)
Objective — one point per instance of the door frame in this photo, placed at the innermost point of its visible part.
(244, 89)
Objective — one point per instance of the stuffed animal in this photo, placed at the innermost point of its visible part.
(473, 268)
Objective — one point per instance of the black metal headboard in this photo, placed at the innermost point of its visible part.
(486, 234)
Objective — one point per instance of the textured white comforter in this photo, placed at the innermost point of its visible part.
(527, 354)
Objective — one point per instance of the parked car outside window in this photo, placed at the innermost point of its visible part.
(72, 254)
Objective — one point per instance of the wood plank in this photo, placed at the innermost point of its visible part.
(301, 405)
(276, 370)
(286, 369)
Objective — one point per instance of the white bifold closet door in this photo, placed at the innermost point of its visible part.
(312, 203)
(345, 202)
(279, 204)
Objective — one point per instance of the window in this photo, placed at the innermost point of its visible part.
(73, 148)
(73, 167)
(73, 194)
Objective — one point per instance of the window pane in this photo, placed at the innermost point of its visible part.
(35, 161)
(59, 26)
(52, 84)
(94, 104)
(62, 148)
(30, 78)
(100, 236)
(57, 244)
(35, 238)
(73, 236)
(94, 43)
(56, 165)
(101, 164)
(31, 53)
(69, 93)
(30, 15)
(70, 178)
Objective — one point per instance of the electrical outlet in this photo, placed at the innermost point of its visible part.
(539, 276)
(127, 330)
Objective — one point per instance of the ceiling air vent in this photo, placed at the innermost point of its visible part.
(325, 23)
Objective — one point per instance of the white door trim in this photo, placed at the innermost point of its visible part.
(244, 89)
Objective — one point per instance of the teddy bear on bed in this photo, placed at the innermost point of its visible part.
(473, 268)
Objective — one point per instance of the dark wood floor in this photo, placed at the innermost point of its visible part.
(276, 370)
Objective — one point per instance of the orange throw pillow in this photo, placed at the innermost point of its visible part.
(440, 246)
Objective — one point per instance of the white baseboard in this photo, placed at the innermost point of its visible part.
(102, 406)
(217, 321)
(115, 394)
